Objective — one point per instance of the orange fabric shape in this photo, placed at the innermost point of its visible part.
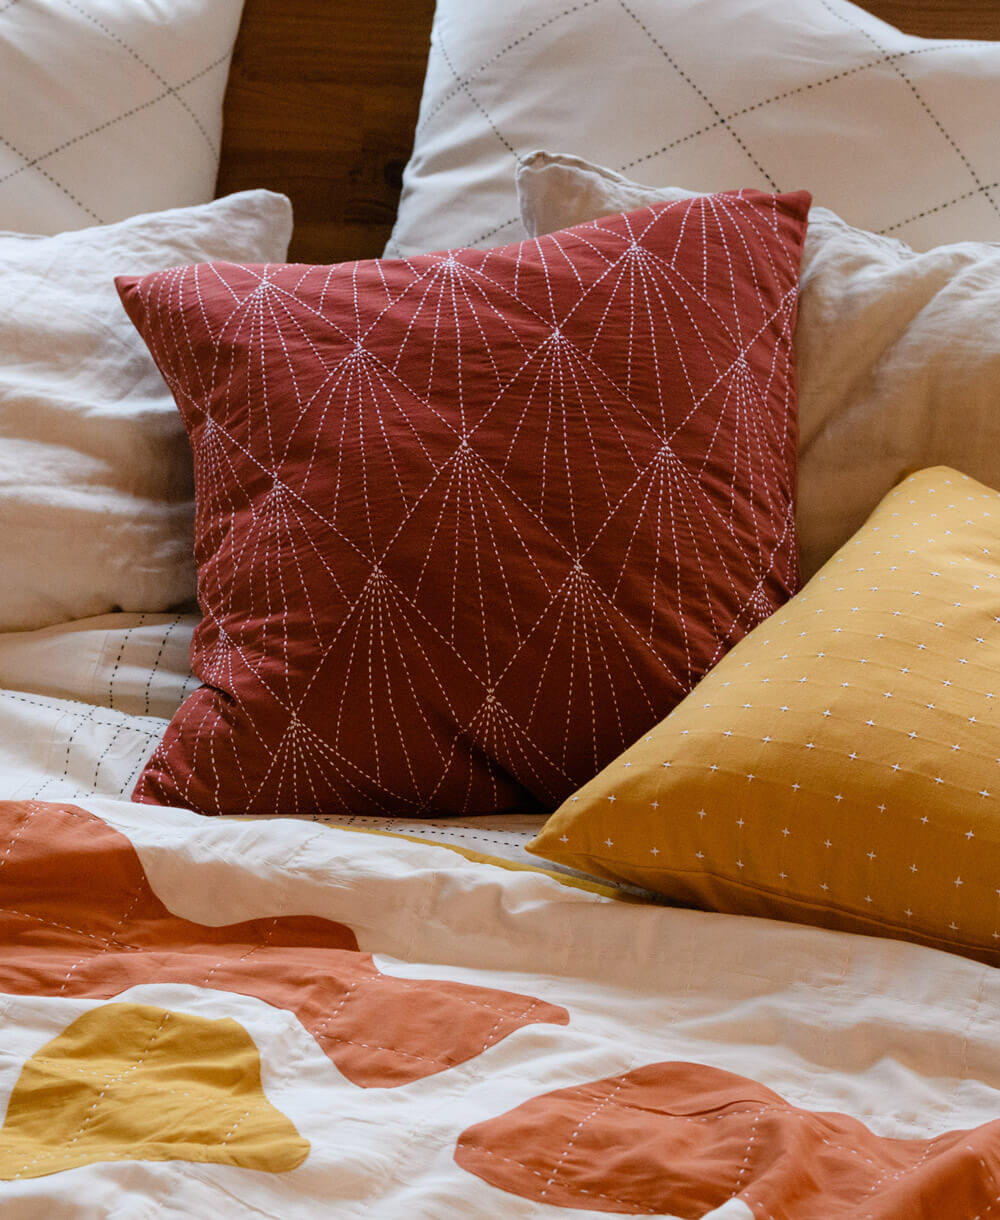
(682, 1138)
(80, 919)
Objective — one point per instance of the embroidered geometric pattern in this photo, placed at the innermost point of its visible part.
(469, 523)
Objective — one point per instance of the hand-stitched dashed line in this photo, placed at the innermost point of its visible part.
(700, 92)
(155, 667)
(110, 943)
(302, 751)
(35, 162)
(631, 1204)
(94, 714)
(753, 107)
(91, 1113)
(841, 16)
(114, 668)
(55, 182)
(940, 207)
(504, 50)
(475, 101)
(171, 89)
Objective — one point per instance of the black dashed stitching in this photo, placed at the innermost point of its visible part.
(940, 207)
(478, 105)
(887, 58)
(171, 89)
(82, 721)
(919, 97)
(496, 229)
(114, 669)
(103, 755)
(504, 50)
(156, 661)
(35, 162)
(45, 174)
(781, 97)
(704, 96)
(87, 713)
(936, 47)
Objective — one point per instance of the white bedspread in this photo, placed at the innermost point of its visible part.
(421, 1033)
(406, 1033)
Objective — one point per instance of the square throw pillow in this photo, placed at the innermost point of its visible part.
(886, 129)
(110, 108)
(469, 522)
(96, 495)
(897, 353)
(841, 765)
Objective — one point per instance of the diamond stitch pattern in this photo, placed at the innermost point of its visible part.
(886, 128)
(110, 108)
(468, 523)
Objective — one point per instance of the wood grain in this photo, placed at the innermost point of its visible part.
(323, 100)
(321, 105)
(941, 18)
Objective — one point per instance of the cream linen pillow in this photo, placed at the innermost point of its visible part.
(893, 132)
(898, 353)
(96, 499)
(110, 107)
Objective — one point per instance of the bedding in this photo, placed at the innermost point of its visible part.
(839, 766)
(468, 523)
(275, 1018)
(111, 108)
(896, 354)
(96, 495)
(82, 706)
(884, 128)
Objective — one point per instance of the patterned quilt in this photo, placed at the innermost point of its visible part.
(210, 1017)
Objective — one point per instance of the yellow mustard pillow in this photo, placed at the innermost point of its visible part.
(841, 765)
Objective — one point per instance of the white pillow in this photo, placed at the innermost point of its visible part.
(898, 353)
(110, 107)
(96, 496)
(893, 132)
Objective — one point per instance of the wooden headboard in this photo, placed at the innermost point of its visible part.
(323, 99)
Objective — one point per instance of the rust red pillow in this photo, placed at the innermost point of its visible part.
(469, 523)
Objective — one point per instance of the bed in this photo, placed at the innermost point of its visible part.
(351, 1014)
(344, 178)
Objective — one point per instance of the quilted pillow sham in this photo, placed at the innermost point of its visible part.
(886, 129)
(110, 108)
(840, 766)
(469, 522)
(96, 496)
(897, 354)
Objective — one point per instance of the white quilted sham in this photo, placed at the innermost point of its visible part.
(110, 107)
(886, 129)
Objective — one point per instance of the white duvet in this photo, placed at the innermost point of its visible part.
(616, 1057)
